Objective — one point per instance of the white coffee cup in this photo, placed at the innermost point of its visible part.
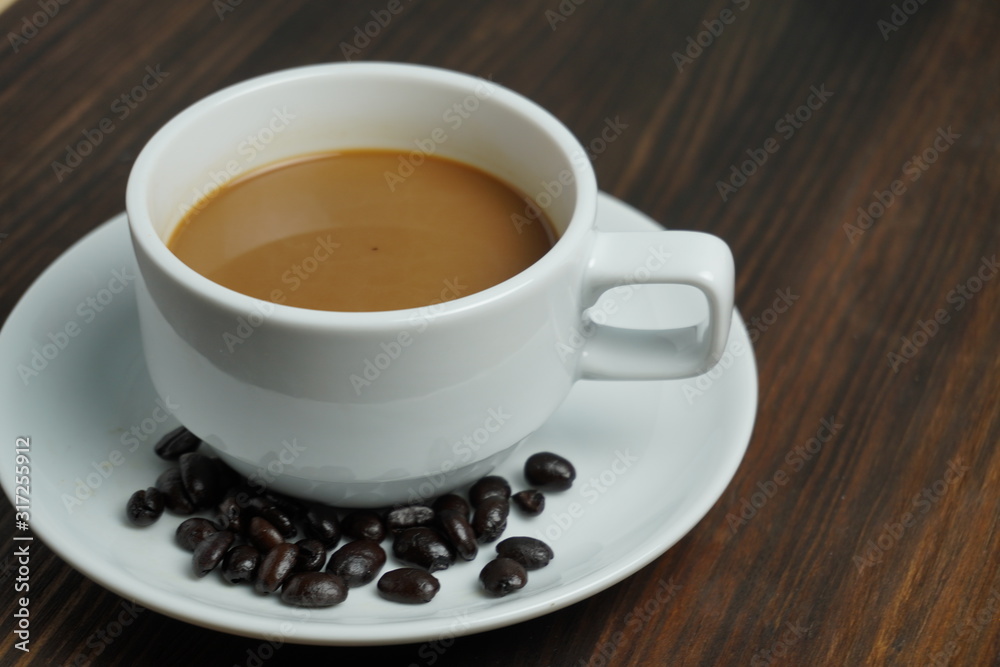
(364, 408)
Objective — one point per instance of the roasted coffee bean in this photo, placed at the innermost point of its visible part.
(424, 547)
(314, 589)
(490, 519)
(408, 585)
(502, 576)
(531, 501)
(358, 562)
(410, 516)
(175, 498)
(242, 495)
(211, 550)
(239, 566)
(528, 551)
(312, 555)
(193, 531)
(278, 564)
(232, 516)
(177, 442)
(363, 524)
(145, 506)
(263, 535)
(457, 529)
(322, 524)
(546, 470)
(453, 502)
(201, 479)
(293, 508)
(491, 486)
(280, 519)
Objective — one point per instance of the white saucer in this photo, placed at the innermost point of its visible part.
(652, 458)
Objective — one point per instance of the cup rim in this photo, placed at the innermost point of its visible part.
(146, 239)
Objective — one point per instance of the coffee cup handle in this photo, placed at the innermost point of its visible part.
(621, 259)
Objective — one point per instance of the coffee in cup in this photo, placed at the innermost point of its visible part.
(343, 231)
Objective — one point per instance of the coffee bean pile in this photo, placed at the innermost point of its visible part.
(278, 544)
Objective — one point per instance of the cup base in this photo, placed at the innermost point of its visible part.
(360, 494)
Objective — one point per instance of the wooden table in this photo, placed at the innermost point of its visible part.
(848, 152)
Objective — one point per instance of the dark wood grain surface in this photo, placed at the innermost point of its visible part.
(862, 526)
